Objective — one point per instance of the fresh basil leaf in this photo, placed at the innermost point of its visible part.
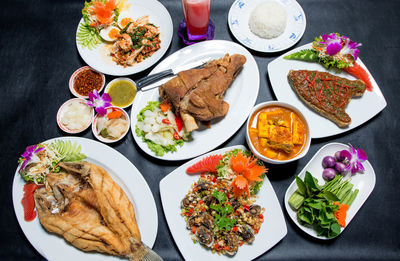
(316, 205)
(310, 182)
(330, 196)
(301, 186)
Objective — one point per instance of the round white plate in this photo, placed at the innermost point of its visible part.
(360, 109)
(364, 182)
(99, 59)
(238, 21)
(122, 171)
(240, 96)
(175, 186)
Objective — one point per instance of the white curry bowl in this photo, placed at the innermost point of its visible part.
(306, 144)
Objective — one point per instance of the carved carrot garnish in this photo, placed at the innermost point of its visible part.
(247, 171)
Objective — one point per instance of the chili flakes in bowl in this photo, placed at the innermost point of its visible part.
(84, 80)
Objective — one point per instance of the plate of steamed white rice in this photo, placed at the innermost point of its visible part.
(267, 25)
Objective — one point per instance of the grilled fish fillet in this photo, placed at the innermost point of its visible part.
(326, 93)
(85, 206)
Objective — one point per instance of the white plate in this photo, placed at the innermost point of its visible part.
(122, 171)
(238, 21)
(175, 186)
(241, 96)
(364, 182)
(360, 109)
(99, 59)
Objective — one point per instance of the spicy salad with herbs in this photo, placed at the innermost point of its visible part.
(131, 41)
(219, 209)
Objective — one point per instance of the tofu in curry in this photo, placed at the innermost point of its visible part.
(277, 132)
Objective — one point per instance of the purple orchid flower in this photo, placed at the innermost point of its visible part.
(354, 157)
(342, 45)
(99, 102)
(333, 42)
(350, 47)
(30, 155)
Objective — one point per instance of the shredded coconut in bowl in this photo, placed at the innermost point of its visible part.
(268, 20)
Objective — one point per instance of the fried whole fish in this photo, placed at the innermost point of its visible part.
(85, 206)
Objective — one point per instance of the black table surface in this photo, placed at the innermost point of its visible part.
(38, 55)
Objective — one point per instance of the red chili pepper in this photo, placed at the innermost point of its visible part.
(191, 210)
(247, 208)
(194, 230)
(214, 179)
(179, 122)
(201, 201)
(261, 216)
(176, 136)
(235, 229)
(166, 121)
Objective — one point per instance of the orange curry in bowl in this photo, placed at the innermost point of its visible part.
(277, 132)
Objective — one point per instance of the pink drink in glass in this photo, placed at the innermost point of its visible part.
(197, 16)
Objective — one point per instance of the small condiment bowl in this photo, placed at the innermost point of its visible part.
(106, 90)
(62, 109)
(107, 140)
(73, 78)
(306, 144)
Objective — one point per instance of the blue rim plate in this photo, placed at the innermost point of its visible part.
(238, 18)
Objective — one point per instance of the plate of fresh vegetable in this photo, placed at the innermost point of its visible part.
(330, 190)
(338, 55)
(100, 35)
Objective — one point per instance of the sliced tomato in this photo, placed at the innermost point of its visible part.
(207, 164)
(28, 201)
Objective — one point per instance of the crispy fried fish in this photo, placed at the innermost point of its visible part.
(85, 206)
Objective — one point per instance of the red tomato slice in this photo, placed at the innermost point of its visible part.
(28, 201)
(207, 164)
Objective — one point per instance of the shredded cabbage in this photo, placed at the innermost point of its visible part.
(47, 159)
(158, 136)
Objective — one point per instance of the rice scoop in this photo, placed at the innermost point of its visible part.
(268, 20)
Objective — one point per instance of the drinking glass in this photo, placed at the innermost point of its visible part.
(197, 17)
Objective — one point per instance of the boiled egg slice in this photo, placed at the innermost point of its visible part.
(123, 20)
(110, 33)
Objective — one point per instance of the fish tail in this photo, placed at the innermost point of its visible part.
(142, 252)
